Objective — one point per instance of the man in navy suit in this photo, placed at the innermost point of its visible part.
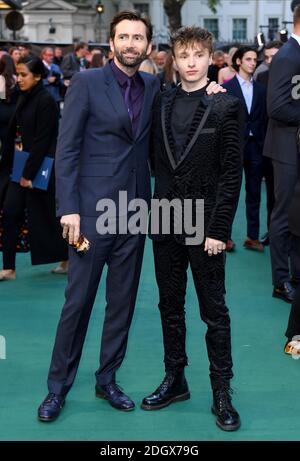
(283, 104)
(253, 98)
(102, 149)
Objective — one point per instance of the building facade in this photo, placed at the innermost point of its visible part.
(65, 21)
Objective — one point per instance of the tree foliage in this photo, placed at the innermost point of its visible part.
(173, 11)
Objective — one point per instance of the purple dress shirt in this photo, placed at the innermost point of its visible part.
(136, 94)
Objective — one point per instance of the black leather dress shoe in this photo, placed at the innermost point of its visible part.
(51, 407)
(227, 417)
(174, 388)
(115, 396)
(286, 292)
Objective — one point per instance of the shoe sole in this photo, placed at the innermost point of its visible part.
(178, 398)
(254, 249)
(279, 296)
(103, 397)
(226, 428)
(49, 420)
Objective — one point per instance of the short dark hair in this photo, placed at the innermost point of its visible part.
(79, 46)
(296, 15)
(12, 49)
(239, 54)
(189, 35)
(35, 65)
(273, 44)
(131, 16)
(27, 46)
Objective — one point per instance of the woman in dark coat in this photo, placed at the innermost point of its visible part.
(35, 125)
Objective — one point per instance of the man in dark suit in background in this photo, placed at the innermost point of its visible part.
(253, 98)
(74, 62)
(102, 149)
(262, 77)
(283, 106)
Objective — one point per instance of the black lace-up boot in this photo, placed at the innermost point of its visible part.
(227, 417)
(174, 388)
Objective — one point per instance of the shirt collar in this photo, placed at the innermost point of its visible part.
(46, 64)
(296, 37)
(120, 75)
(242, 81)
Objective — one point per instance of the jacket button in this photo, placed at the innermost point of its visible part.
(133, 170)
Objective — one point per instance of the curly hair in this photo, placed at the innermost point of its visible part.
(186, 36)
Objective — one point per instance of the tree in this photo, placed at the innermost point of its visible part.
(173, 11)
(294, 3)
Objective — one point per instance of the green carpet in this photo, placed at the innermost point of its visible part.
(266, 382)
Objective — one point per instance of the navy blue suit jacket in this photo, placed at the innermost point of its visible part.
(257, 119)
(97, 155)
(283, 108)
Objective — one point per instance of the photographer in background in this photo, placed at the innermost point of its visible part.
(53, 81)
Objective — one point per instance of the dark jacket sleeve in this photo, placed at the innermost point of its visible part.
(230, 177)
(46, 129)
(68, 68)
(8, 148)
(155, 129)
(70, 137)
(280, 104)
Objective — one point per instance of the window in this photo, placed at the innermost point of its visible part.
(212, 25)
(239, 30)
(143, 8)
(273, 28)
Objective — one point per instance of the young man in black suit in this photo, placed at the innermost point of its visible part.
(196, 155)
(253, 98)
(283, 104)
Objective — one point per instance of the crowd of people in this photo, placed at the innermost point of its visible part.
(202, 117)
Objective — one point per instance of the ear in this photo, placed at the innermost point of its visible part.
(149, 49)
(111, 45)
(210, 60)
(238, 62)
(175, 65)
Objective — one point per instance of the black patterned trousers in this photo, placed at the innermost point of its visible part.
(171, 263)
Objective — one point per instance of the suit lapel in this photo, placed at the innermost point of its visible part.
(239, 93)
(255, 97)
(165, 118)
(144, 116)
(114, 94)
(207, 102)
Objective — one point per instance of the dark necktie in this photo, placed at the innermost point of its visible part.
(128, 98)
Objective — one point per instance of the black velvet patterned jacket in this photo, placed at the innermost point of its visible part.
(210, 166)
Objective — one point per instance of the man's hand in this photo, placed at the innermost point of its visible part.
(51, 79)
(213, 247)
(71, 227)
(26, 183)
(214, 88)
